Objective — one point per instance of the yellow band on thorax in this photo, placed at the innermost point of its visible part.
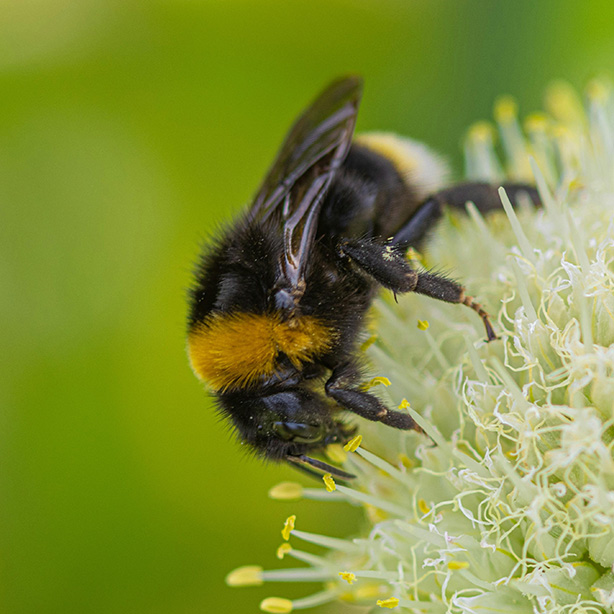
(234, 350)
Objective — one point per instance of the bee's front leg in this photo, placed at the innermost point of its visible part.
(387, 265)
(340, 387)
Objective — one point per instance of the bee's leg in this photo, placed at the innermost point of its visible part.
(484, 196)
(445, 289)
(387, 265)
(340, 387)
(305, 464)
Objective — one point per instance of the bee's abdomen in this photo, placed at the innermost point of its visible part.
(422, 170)
(381, 184)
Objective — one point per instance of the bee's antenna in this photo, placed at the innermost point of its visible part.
(302, 460)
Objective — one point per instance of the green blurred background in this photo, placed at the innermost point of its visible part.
(128, 130)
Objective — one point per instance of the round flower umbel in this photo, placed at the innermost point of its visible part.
(506, 502)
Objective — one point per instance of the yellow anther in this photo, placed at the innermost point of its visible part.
(352, 444)
(404, 404)
(288, 527)
(536, 122)
(598, 91)
(404, 459)
(560, 131)
(374, 514)
(376, 381)
(283, 550)
(329, 482)
(506, 109)
(368, 343)
(250, 575)
(286, 491)
(348, 576)
(364, 592)
(412, 254)
(391, 602)
(454, 565)
(336, 453)
(423, 324)
(423, 507)
(276, 605)
(562, 101)
(482, 132)
(368, 591)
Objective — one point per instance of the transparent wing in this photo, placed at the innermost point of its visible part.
(292, 191)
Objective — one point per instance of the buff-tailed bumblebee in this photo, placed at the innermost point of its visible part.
(280, 298)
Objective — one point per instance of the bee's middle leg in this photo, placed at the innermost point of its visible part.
(387, 265)
(340, 387)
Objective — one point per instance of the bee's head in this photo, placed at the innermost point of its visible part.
(287, 425)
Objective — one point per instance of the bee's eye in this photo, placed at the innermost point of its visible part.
(299, 432)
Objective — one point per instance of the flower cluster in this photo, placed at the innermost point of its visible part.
(506, 502)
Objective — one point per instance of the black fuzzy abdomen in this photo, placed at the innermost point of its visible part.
(368, 198)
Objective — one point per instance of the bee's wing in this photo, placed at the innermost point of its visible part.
(315, 147)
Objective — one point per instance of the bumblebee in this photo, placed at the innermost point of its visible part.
(280, 297)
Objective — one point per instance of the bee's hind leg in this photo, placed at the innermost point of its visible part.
(340, 387)
(484, 196)
(388, 266)
(446, 289)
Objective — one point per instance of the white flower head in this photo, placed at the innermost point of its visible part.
(506, 503)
